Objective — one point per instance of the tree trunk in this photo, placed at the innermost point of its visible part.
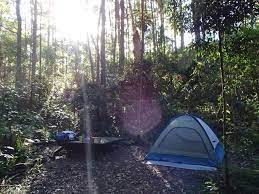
(103, 61)
(224, 108)
(127, 32)
(1, 51)
(196, 21)
(122, 53)
(181, 24)
(90, 59)
(24, 69)
(136, 39)
(40, 49)
(77, 59)
(98, 49)
(162, 28)
(153, 29)
(34, 50)
(116, 15)
(142, 29)
(18, 75)
(175, 29)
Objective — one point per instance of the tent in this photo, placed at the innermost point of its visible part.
(187, 142)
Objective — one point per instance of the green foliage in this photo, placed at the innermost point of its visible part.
(224, 14)
(210, 186)
(22, 118)
(194, 86)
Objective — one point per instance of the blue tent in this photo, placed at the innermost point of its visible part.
(187, 142)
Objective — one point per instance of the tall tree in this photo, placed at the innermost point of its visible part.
(162, 25)
(116, 16)
(142, 29)
(98, 49)
(34, 48)
(181, 23)
(40, 45)
(222, 16)
(122, 52)
(103, 60)
(153, 28)
(196, 12)
(18, 75)
(90, 59)
(137, 50)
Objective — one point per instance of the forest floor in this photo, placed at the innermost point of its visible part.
(119, 171)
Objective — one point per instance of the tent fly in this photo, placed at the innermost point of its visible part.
(187, 142)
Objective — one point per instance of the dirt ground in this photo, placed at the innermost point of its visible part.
(119, 171)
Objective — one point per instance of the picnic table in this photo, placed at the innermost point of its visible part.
(96, 145)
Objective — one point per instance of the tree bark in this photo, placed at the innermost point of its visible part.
(90, 59)
(142, 29)
(40, 49)
(175, 29)
(122, 53)
(136, 38)
(18, 75)
(153, 29)
(181, 24)
(34, 49)
(127, 32)
(103, 61)
(196, 21)
(162, 28)
(116, 15)
(1, 51)
(224, 108)
(98, 49)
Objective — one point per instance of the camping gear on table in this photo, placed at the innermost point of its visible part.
(187, 142)
(98, 145)
(66, 136)
(74, 143)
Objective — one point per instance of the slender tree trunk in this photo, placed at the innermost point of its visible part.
(54, 54)
(127, 32)
(175, 27)
(175, 37)
(1, 49)
(47, 60)
(116, 15)
(24, 70)
(18, 75)
(97, 48)
(34, 49)
(1, 59)
(90, 59)
(224, 108)
(142, 29)
(122, 53)
(119, 23)
(77, 76)
(162, 27)
(40, 49)
(136, 38)
(196, 20)
(203, 31)
(153, 29)
(103, 61)
(181, 24)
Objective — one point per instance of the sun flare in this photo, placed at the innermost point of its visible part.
(75, 19)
